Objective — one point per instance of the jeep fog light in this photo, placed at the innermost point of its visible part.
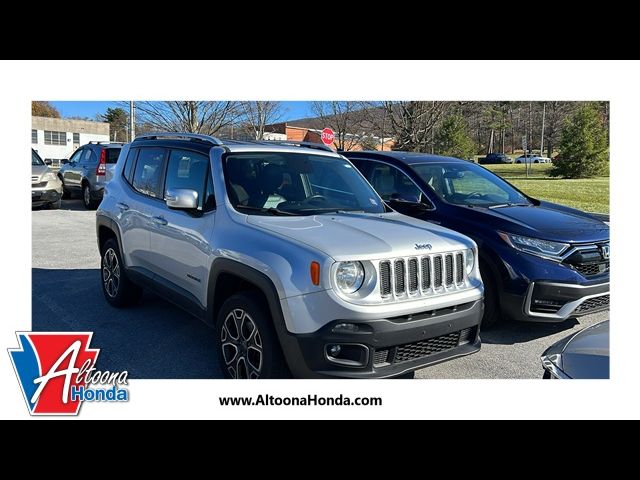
(349, 276)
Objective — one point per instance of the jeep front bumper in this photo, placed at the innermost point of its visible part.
(385, 347)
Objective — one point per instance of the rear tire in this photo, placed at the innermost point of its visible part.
(491, 314)
(248, 346)
(117, 288)
(88, 202)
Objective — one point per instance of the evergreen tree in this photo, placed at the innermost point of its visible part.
(453, 140)
(584, 149)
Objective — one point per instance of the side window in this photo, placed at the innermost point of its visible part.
(389, 182)
(147, 178)
(187, 170)
(112, 155)
(209, 196)
(76, 156)
(131, 162)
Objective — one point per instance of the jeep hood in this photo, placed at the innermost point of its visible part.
(364, 236)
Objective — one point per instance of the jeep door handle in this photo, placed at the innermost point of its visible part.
(159, 221)
(122, 206)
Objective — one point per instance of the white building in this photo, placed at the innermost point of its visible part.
(58, 138)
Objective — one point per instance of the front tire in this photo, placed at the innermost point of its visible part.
(248, 347)
(117, 288)
(88, 202)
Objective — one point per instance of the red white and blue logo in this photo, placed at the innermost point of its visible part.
(57, 373)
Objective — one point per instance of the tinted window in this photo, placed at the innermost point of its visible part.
(131, 161)
(389, 182)
(112, 155)
(147, 178)
(187, 170)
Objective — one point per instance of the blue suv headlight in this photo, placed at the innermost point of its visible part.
(535, 246)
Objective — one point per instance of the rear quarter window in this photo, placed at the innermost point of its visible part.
(112, 155)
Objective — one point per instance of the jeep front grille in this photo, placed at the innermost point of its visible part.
(437, 272)
(385, 278)
(459, 268)
(399, 280)
(425, 262)
(424, 275)
(413, 275)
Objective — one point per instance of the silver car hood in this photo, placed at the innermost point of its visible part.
(364, 236)
(39, 170)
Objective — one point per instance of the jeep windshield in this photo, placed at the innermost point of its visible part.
(468, 184)
(271, 183)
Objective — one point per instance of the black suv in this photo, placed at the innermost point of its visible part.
(539, 261)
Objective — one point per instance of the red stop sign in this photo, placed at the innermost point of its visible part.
(327, 136)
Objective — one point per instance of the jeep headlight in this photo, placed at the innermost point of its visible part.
(469, 261)
(535, 246)
(349, 276)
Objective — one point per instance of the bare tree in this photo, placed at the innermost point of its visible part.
(557, 112)
(256, 115)
(344, 118)
(411, 123)
(187, 116)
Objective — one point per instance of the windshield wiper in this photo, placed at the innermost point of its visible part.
(500, 205)
(270, 210)
(330, 210)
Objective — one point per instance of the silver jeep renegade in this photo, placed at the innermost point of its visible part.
(290, 254)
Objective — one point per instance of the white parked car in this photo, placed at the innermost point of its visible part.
(532, 159)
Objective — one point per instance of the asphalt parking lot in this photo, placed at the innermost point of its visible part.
(154, 339)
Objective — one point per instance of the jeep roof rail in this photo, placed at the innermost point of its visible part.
(101, 142)
(185, 136)
(293, 143)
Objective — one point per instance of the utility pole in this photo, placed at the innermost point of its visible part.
(544, 109)
(132, 121)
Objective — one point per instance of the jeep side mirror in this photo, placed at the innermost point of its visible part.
(47, 161)
(182, 199)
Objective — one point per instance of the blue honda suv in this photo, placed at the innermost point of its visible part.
(540, 261)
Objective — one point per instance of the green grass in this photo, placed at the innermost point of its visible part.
(589, 194)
